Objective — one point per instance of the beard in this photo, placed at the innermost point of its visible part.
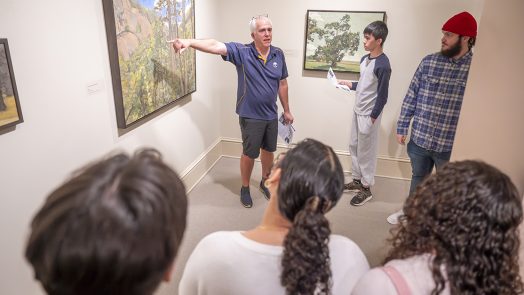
(453, 50)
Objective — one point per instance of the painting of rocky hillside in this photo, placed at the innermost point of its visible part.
(147, 74)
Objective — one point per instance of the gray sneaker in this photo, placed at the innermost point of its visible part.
(354, 186)
(264, 189)
(361, 197)
(245, 197)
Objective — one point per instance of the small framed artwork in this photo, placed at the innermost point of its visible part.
(146, 73)
(335, 39)
(10, 112)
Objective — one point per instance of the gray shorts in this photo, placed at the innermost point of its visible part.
(257, 134)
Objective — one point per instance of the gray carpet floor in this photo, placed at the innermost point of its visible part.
(214, 205)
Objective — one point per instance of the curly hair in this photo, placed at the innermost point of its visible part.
(467, 216)
(311, 184)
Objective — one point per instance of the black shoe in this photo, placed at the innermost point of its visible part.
(354, 186)
(361, 197)
(245, 197)
(264, 189)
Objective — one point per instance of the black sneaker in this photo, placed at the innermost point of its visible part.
(354, 186)
(264, 189)
(245, 197)
(361, 197)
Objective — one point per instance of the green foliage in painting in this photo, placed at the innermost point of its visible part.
(151, 74)
(334, 39)
(338, 40)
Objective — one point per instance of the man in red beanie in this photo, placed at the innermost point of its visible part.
(434, 99)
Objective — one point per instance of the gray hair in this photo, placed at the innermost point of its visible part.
(253, 22)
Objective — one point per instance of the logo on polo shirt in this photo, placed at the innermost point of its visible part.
(275, 64)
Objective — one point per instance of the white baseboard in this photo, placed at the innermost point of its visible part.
(192, 175)
(387, 167)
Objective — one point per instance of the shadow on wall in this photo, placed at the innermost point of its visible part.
(394, 148)
(7, 130)
(179, 103)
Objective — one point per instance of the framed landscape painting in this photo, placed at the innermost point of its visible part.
(146, 73)
(10, 112)
(334, 39)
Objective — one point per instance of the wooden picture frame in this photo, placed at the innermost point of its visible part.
(334, 39)
(147, 75)
(10, 111)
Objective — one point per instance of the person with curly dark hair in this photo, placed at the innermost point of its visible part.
(459, 235)
(292, 251)
(113, 228)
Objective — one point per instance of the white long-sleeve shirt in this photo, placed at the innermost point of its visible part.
(229, 263)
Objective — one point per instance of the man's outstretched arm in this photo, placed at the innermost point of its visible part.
(205, 45)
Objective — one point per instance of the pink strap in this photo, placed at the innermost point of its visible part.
(397, 279)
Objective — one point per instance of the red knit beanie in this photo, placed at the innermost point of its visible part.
(463, 24)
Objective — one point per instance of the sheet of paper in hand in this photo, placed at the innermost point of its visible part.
(333, 80)
(285, 131)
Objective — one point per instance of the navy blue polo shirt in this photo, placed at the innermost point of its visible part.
(258, 80)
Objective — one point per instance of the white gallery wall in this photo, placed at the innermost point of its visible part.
(58, 47)
(491, 126)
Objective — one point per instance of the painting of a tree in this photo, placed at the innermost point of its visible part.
(333, 39)
(146, 73)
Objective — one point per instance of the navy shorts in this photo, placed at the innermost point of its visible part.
(257, 134)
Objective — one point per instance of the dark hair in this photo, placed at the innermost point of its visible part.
(379, 30)
(471, 41)
(113, 228)
(467, 216)
(311, 183)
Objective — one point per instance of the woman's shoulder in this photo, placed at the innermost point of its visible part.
(374, 282)
(217, 240)
(346, 252)
(413, 264)
(213, 249)
(235, 241)
(348, 263)
(377, 281)
(219, 235)
(414, 270)
(338, 242)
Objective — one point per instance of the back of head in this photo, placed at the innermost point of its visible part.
(311, 183)
(378, 29)
(467, 215)
(113, 228)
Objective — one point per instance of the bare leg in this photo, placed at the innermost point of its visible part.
(267, 161)
(246, 167)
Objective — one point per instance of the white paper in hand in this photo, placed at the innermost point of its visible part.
(331, 77)
(285, 131)
(333, 80)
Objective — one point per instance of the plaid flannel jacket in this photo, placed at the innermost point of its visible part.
(433, 100)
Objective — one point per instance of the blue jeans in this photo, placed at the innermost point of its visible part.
(422, 163)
